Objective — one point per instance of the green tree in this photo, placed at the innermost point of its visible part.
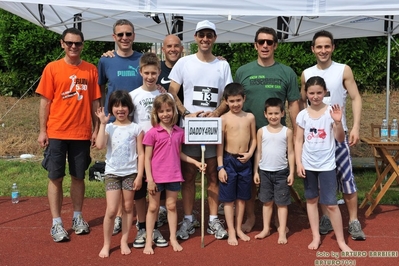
(25, 49)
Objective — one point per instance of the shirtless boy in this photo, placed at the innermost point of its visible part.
(234, 164)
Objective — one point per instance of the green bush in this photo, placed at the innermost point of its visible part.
(25, 49)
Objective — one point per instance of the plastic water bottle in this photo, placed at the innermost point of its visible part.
(14, 193)
(394, 130)
(384, 130)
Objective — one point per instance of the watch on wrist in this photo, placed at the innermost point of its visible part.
(186, 112)
(219, 168)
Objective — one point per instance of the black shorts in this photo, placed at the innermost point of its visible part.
(56, 153)
(142, 192)
(274, 187)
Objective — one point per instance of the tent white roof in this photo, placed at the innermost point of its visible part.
(236, 21)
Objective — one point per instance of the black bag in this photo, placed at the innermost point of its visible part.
(96, 171)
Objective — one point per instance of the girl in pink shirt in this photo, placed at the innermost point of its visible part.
(162, 166)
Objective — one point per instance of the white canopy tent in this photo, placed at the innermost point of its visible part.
(236, 21)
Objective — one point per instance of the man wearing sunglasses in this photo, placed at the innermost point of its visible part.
(204, 77)
(262, 79)
(172, 49)
(122, 71)
(69, 96)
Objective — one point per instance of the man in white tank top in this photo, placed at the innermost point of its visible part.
(340, 83)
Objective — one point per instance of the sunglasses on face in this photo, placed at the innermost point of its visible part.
(209, 35)
(69, 44)
(120, 35)
(262, 42)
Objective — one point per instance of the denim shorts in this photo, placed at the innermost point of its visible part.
(173, 186)
(274, 187)
(322, 184)
(114, 182)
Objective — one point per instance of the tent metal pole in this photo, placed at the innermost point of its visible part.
(388, 74)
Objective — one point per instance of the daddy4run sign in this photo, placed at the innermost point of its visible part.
(200, 130)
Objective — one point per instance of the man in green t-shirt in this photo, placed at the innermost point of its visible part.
(262, 79)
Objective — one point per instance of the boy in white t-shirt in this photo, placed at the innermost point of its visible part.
(143, 98)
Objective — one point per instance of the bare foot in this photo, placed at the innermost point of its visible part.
(344, 247)
(314, 244)
(264, 233)
(282, 237)
(104, 253)
(125, 250)
(248, 225)
(148, 250)
(232, 240)
(243, 236)
(176, 246)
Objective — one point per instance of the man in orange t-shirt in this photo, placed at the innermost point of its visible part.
(69, 95)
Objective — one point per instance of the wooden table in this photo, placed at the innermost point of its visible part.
(389, 152)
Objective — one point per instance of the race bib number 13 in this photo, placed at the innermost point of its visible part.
(205, 96)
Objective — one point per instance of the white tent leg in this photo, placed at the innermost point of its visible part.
(388, 73)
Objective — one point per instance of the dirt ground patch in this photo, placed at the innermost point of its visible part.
(19, 127)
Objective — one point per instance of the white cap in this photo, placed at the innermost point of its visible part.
(205, 24)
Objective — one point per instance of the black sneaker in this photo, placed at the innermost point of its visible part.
(325, 225)
(162, 217)
(139, 241)
(158, 239)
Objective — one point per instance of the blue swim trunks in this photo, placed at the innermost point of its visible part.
(239, 179)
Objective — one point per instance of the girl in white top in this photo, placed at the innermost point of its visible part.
(124, 165)
(318, 125)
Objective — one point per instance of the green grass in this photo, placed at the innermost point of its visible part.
(32, 180)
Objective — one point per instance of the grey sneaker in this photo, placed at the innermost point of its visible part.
(186, 229)
(158, 239)
(58, 233)
(162, 217)
(216, 228)
(80, 226)
(117, 225)
(355, 229)
(139, 241)
(325, 225)
(221, 209)
(195, 222)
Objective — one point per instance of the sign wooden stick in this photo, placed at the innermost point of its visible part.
(202, 196)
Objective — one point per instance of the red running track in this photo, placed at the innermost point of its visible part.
(25, 240)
